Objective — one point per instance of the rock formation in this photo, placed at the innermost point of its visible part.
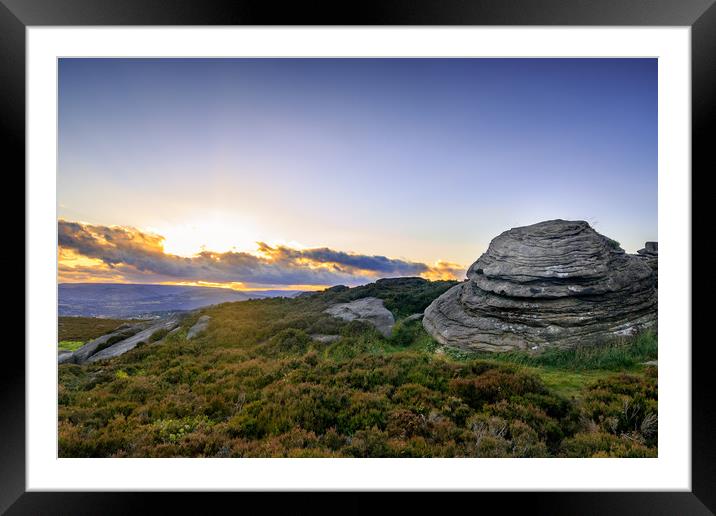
(326, 339)
(367, 309)
(64, 356)
(125, 331)
(553, 284)
(650, 254)
(121, 340)
(201, 325)
(132, 342)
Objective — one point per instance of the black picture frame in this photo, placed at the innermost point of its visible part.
(700, 15)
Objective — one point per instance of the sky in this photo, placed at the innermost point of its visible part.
(305, 173)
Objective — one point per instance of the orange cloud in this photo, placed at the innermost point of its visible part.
(123, 254)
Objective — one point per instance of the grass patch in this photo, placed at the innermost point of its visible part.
(410, 336)
(85, 328)
(70, 345)
(570, 384)
(617, 355)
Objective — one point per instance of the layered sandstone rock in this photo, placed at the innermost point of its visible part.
(650, 254)
(556, 283)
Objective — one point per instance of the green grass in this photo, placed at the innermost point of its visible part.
(618, 355)
(70, 345)
(570, 384)
(570, 372)
(567, 371)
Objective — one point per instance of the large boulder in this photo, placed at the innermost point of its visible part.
(366, 309)
(557, 283)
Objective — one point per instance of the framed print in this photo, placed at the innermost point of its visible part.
(416, 250)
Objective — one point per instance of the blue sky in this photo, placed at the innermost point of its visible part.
(422, 160)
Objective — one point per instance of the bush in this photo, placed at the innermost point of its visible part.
(289, 341)
(601, 444)
(494, 385)
(405, 334)
(159, 335)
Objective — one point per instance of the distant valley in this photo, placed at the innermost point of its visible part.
(120, 300)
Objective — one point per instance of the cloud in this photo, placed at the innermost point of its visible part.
(128, 253)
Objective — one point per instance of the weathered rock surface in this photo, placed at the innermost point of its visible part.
(125, 331)
(367, 309)
(121, 347)
(64, 356)
(650, 254)
(200, 327)
(553, 284)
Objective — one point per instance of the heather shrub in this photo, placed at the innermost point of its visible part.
(602, 444)
(494, 385)
(288, 341)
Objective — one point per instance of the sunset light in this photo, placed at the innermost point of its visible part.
(218, 232)
(250, 173)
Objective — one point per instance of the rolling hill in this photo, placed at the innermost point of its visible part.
(134, 300)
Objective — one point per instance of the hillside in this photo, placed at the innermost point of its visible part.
(120, 300)
(261, 381)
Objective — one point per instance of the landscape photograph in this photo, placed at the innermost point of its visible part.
(357, 258)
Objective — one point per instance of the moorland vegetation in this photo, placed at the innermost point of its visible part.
(257, 384)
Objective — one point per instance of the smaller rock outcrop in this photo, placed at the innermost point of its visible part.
(64, 356)
(132, 342)
(200, 327)
(650, 254)
(121, 340)
(123, 332)
(325, 339)
(368, 309)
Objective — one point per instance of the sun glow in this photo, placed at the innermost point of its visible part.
(221, 251)
(243, 287)
(70, 258)
(218, 233)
